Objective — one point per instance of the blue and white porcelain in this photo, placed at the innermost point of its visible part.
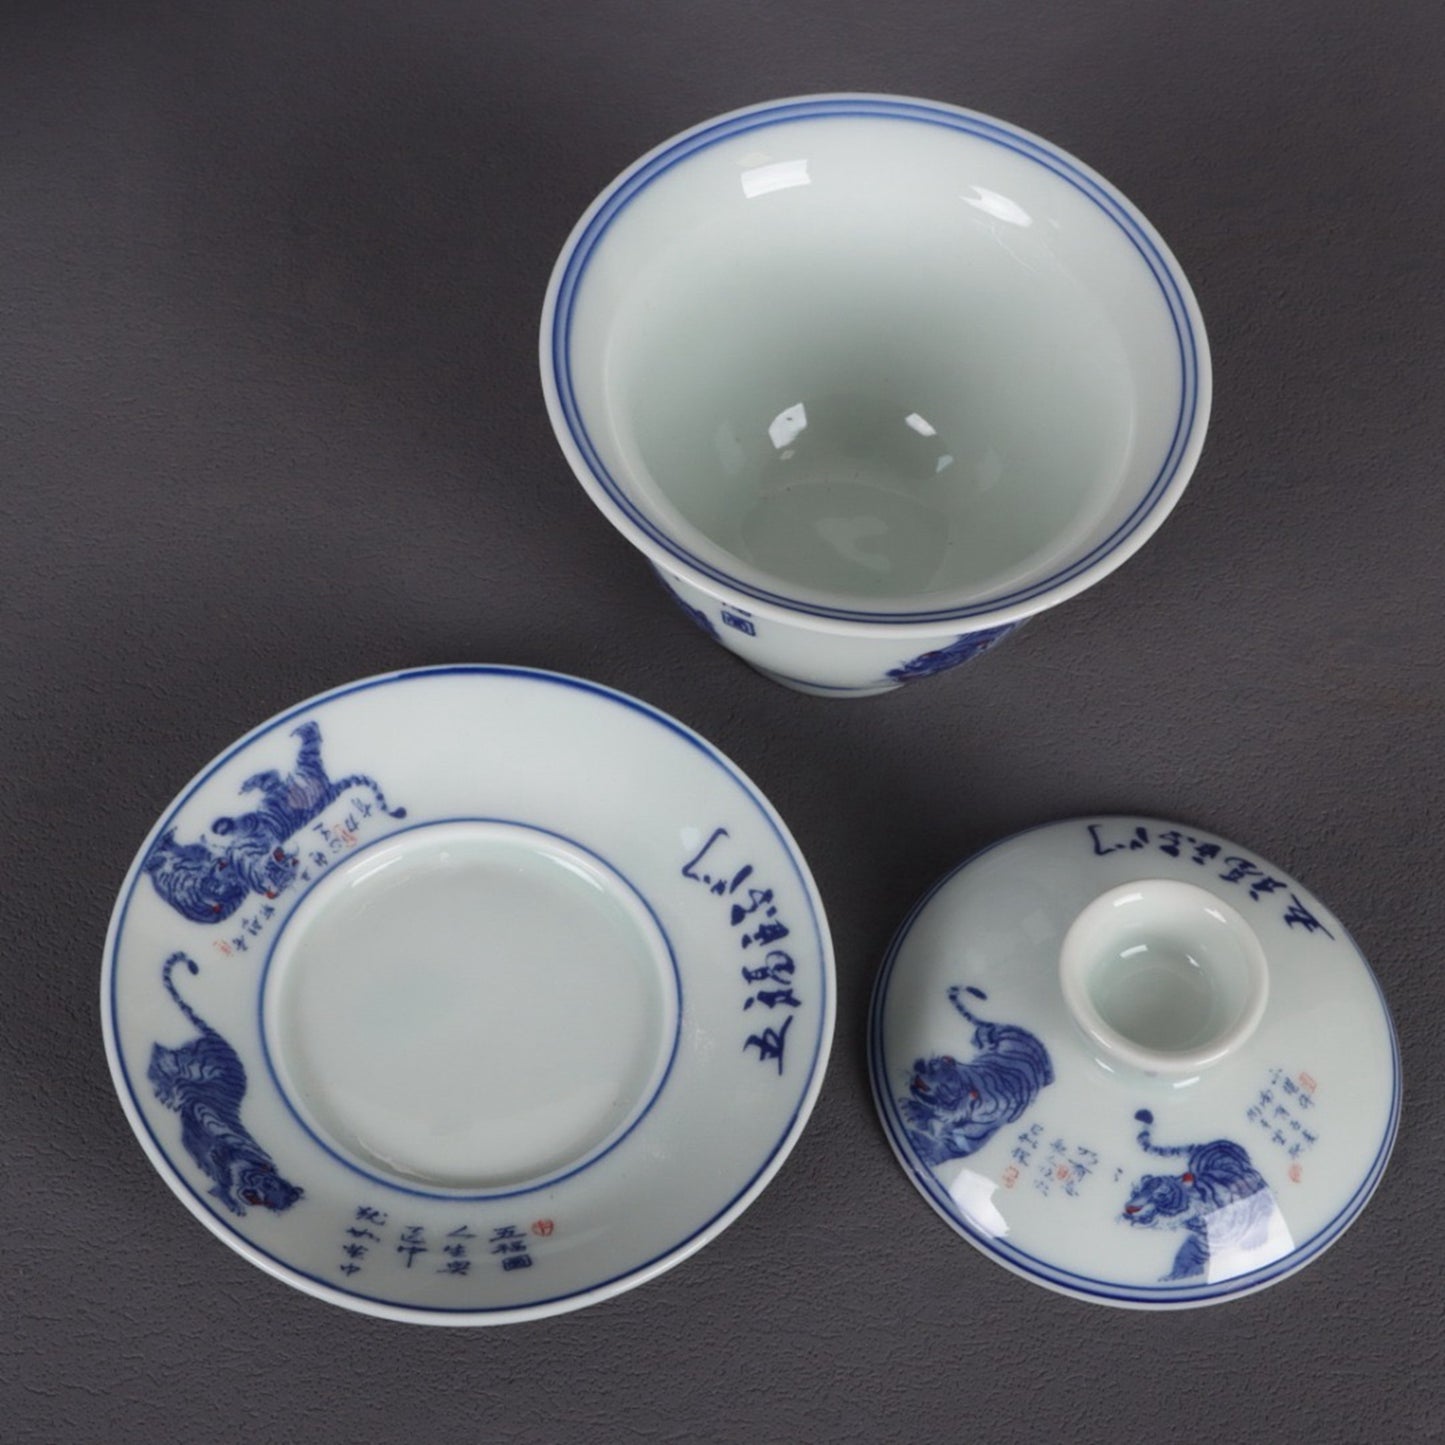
(1134, 1063)
(468, 995)
(871, 380)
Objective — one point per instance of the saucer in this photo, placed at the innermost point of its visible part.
(468, 995)
(1134, 1063)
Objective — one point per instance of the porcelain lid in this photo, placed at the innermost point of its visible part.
(1134, 1063)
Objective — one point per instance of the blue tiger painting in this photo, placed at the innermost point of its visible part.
(204, 1082)
(954, 1108)
(1219, 1199)
(703, 621)
(208, 881)
(960, 650)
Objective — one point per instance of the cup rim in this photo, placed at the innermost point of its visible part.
(667, 551)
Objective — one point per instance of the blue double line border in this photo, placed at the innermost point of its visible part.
(1166, 275)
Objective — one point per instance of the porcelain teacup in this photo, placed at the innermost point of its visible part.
(870, 380)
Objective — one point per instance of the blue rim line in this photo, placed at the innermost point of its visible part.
(1062, 166)
(1084, 1285)
(178, 1180)
(458, 1196)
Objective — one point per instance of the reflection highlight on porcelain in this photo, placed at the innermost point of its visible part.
(772, 176)
(973, 1194)
(433, 1063)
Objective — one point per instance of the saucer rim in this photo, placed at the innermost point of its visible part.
(1067, 1282)
(590, 1294)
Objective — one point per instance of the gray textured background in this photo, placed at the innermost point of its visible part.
(269, 420)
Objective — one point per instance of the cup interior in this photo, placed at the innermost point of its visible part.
(875, 361)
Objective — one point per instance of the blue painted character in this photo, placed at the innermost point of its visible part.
(954, 1108)
(204, 1082)
(960, 650)
(1219, 1199)
(207, 882)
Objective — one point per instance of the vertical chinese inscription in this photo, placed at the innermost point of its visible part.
(766, 970)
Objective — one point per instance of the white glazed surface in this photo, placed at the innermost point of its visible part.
(528, 1020)
(877, 372)
(408, 992)
(1057, 1192)
(1163, 976)
(827, 664)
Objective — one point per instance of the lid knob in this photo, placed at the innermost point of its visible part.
(1163, 978)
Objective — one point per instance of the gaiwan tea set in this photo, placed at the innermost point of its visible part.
(476, 994)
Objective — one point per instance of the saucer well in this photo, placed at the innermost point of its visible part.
(1134, 1063)
(468, 995)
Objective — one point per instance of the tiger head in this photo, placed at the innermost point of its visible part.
(198, 883)
(251, 851)
(263, 1188)
(1159, 1196)
(946, 1087)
